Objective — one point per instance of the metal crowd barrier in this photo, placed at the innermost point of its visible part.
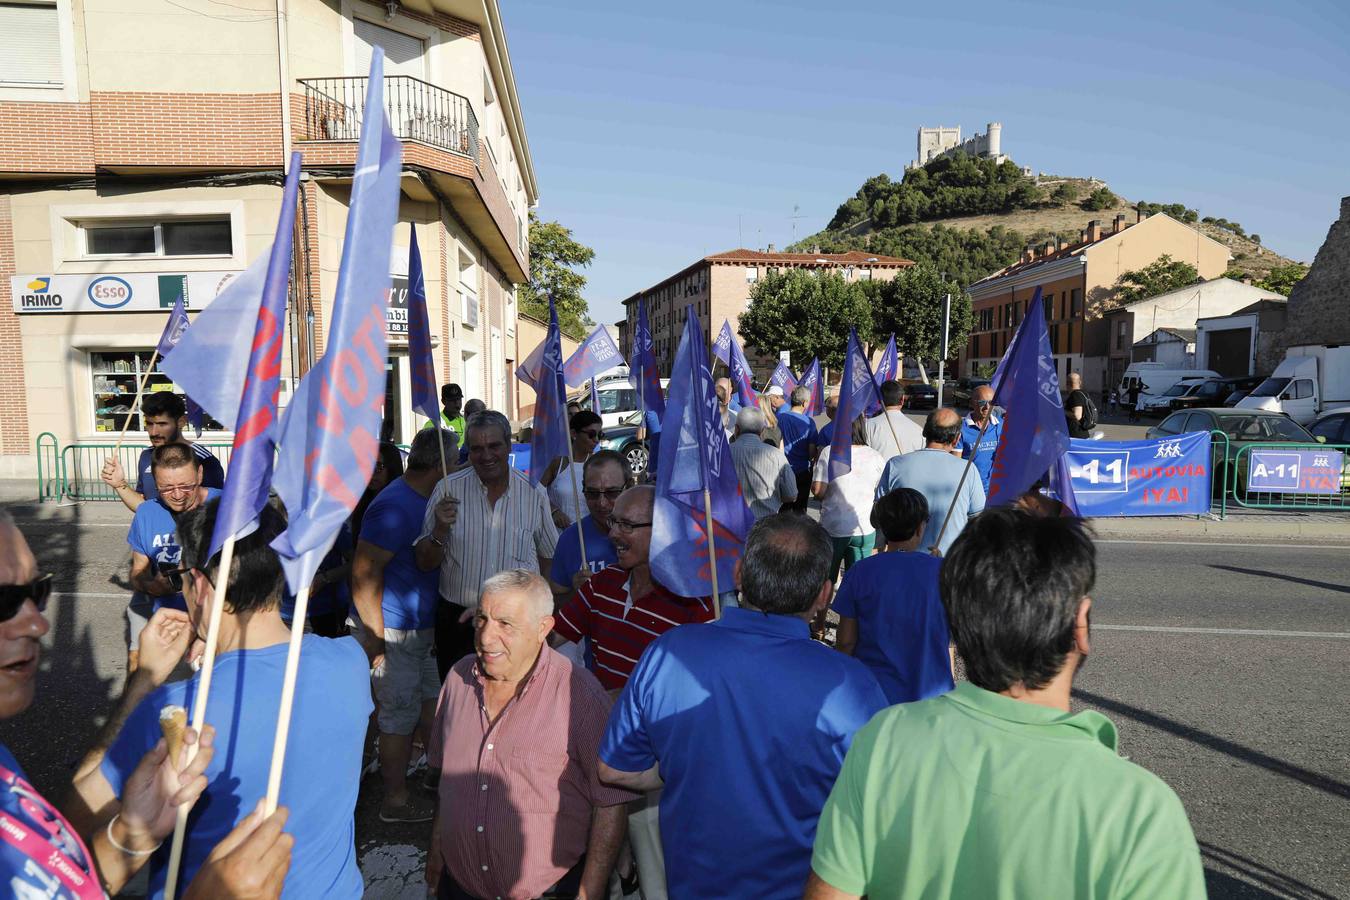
(1299, 495)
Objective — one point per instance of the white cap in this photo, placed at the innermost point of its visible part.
(774, 391)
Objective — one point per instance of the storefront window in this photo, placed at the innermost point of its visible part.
(115, 374)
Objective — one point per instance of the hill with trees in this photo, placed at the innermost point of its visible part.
(970, 217)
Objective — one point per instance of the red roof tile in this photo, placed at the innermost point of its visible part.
(854, 257)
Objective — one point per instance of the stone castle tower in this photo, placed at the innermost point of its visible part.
(935, 143)
(1319, 305)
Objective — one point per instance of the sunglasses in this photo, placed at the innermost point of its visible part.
(594, 435)
(594, 494)
(175, 577)
(12, 596)
(623, 526)
(983, 403)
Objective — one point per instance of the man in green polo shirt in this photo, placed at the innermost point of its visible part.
(452, 398)
(995, 790)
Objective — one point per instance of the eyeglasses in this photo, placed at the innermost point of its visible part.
(593, 494)
(623, 526)
(595, 435)
(983, 403)
(180, 491)
(12, 596)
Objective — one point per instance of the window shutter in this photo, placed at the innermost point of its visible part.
(403, 53)
(30, 44)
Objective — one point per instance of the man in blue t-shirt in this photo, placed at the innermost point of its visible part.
(154, 546)
(981, 416)
(395, 601)
(800, 440)
(327, 730)
(890, 613)
(163, 415)
(649, 432)
(746, 717)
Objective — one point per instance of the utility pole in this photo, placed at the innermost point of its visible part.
(796, 214)
(946, 327)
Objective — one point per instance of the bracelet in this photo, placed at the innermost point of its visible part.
(127, 850)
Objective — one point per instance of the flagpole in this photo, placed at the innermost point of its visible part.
(199, 707)
(136, 404)
(712, 550)
(576, 502)
(287, 700)
(962, 483)
(642, 407)
(440, 443)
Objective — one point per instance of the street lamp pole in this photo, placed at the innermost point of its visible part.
(942, 354)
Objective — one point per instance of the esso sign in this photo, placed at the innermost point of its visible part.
(109, 292)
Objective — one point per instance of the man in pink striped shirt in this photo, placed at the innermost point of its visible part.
(522, 811)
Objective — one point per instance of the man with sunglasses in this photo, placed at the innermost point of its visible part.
(604, 477)
(621, 610)
(979, 446)
(587, 430)
(42, 854)
(154, 545)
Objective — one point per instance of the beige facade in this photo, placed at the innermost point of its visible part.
(1078, 284)
(154, 119)
(718, 287)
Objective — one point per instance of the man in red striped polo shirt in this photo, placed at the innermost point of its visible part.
(622, 609)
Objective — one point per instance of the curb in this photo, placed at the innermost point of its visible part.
(1264, 529)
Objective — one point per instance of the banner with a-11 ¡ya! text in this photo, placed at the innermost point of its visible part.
(1164, 477)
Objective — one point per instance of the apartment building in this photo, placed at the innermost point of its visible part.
(1077, 279)
(719, 286)
(142, 148)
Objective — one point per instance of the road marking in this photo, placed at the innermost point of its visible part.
(1248, 632)
(1227, 544)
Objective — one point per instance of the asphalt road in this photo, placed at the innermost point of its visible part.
(1225, 667)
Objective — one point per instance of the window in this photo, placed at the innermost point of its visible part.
(1172, 424)
(468, 292)
(170, 237)
(865, 274)
(1302, 389)
(115, 375)
(1336, 429)
(1048, 302)
(1076, 301)
(403, 53)
(1120, 335)
(30, 44)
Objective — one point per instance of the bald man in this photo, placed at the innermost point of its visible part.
(980, 432)
(727, 403)
(935, 471)
(1076, 406)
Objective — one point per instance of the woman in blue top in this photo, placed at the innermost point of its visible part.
(890, 613)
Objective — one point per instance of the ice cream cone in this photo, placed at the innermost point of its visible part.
(173, 722)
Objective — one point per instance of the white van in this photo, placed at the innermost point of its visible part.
(1155, 380)
(618, 401)
(1311, 378)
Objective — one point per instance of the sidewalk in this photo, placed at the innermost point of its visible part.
(1242, 526)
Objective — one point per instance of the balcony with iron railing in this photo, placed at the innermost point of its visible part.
(417, 111)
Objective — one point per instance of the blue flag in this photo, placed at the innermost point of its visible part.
(598, 353)
(211, 361)
(855, 391)
(551, 438)
(1034, 431)
(721, 347)
(331, 431)
(528, 371)
(595, 398)
(196, 416)
(885, 371)
(425, 398)
(246, 489)
(782, 377)
(174, 328)
(742, 376)
(642, 372)
(815, 403)
(695, 457)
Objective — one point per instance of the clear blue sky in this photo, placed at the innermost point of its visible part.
(657, 128)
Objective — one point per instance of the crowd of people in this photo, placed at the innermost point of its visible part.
(589, 732)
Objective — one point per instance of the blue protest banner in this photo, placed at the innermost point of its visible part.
(1166, 477)
(1271, 470)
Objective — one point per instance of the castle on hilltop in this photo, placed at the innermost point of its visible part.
(935, 143)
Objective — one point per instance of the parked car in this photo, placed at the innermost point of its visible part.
(1235, 398)
(1215, 392)
(1242, 427)
(623, 439)
(921, 396)
(1158, 404)
(1333, 425)
(963, 388)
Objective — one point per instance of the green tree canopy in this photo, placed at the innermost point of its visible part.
(1158, 277)
(805, 314)
(1100, 199)
(1282, 279)
(554, 257)
(911, 306)
(956, 185)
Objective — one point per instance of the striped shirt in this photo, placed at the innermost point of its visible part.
(516, 794)
(620, 627)
(486, 539)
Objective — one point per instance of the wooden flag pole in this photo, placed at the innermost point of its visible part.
(576, 500)
(199, 707)
(712, 552)
(445, 471)
(287, 700)
(136, 404)
(642, 407)
(962, 483)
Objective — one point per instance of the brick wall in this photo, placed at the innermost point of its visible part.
(14, 412)
(1319, 305)
(46, 138)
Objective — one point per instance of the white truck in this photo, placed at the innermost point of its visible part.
(1313, 377)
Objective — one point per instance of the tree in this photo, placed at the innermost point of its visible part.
(1282, 279)
(910, 305)
(805, 314)
(554, 257)
(1066, 193)
(1158, 277)
(1100, 199)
